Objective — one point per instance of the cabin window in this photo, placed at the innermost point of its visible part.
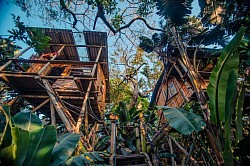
(171, 90)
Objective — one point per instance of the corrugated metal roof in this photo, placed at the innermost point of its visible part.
(61, 36)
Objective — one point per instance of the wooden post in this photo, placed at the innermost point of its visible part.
(10, 61)
(40, 105)
(171, 151)
(97, 59)
(113, 143)
(143, 133)
(58, 106)
(84, 105)
(137, 136)
(52, 114)
(84, 109)
(86, 119)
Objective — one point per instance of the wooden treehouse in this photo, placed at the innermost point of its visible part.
(174, 88)
(59, 84)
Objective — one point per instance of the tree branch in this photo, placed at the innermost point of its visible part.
(64, 7)
(100, 14)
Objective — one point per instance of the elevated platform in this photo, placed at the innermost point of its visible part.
(58, 80)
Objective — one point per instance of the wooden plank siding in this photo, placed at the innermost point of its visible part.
(178, 92)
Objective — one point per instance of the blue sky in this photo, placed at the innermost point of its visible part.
(7, 23)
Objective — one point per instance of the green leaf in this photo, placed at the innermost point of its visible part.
(27, 121)
(41, 143)
(183, 121)
(231, 89)
(6, 139)
(217, 88)
(20, 145)
(64, 149)
(239, 110)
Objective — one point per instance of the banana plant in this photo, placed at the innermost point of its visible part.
(222, 91)
(31, 143)
(183, 121)
(25, 142)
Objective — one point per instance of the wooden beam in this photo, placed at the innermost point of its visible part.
(61, 97)
(64, 62)
(40, 105)
(78, 45)
(52, 114)
(67, 77)
(84, 108)
(113, 143)
(59, 108)
(10, 61)
(97, 59)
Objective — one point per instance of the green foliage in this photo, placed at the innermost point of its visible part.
(219, 97)
(116, 21)
(90, 158)
(31, 144)
(7, 49)
(176, 11)
(183, 121)
(65, 148)
(238, 112)
(126, 116)
(31, 36)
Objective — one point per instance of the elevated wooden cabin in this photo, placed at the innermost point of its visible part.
(59, 84)
(174, 88)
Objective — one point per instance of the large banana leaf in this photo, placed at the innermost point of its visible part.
(239, 110)
(41, 144)
(85, 159)
(231, 91)
(64, 149)
(31, 143)
(183, 121)
(27, 121)
(217, 88)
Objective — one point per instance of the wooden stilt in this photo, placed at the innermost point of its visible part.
(137, 136)
(52, 114)
(84, 105)
(40, 106)
(83, 110)
(86, 120)
(113, 143)
(59, 108)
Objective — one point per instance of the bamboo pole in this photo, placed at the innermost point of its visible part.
(40, 105)
(52, 114)
(113, 143)
(97, 60)
(84, 105)
(137, 136)
(10, 61)
(58, 106)
(83, 110)
(185, 152)
(171, 151)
